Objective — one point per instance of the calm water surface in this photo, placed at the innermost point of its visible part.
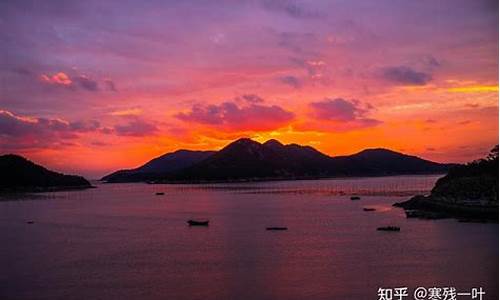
(123, 241)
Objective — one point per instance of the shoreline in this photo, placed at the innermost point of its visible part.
(430, 208)
(39, 189)
(272, 179)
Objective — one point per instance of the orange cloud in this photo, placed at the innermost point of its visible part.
(474, 89)
(127, 112)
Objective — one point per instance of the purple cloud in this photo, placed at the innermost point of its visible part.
(405, 76)
(18, 126)
(135, 127)
(110, 85)
(291, 81)
(72, 81)
(86, 83)
(85, 126)
(28, 132)
(337, 115)
(339, 109)
(431, 62)
(251, 98)
(31, 132)
(291, 8)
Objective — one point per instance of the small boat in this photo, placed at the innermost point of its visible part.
(388, 228)
(355, 198)
(197, 223)
(368, 209)
(160, 193)
(276, 228)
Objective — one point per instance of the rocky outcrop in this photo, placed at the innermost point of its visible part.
(468, 192)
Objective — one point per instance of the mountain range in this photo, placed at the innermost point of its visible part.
(246, 159)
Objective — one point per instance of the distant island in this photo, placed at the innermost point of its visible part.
(468, 192)
(18, 174)
(248, 160)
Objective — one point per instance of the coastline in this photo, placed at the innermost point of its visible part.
(272, 179)
(430, 208)
(42, 189)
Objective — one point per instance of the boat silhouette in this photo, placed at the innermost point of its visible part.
(388, 228)
(276, 228)
(197, 223)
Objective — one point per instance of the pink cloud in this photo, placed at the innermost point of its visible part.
(230, 116)
(77, 81)
(60, 78)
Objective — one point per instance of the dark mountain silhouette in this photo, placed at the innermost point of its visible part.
(159, 167)
(475, 181)
(19, 174)
(377, 162)
(247, 159)
(468, 192)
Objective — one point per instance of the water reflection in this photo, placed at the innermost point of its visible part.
(122, 240)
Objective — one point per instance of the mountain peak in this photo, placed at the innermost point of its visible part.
(13, 157)
(273, 143)
(378, 152)
(244, 141)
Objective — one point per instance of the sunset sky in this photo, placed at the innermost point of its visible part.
(89, 87)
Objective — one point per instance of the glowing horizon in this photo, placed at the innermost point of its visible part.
(93, 87)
